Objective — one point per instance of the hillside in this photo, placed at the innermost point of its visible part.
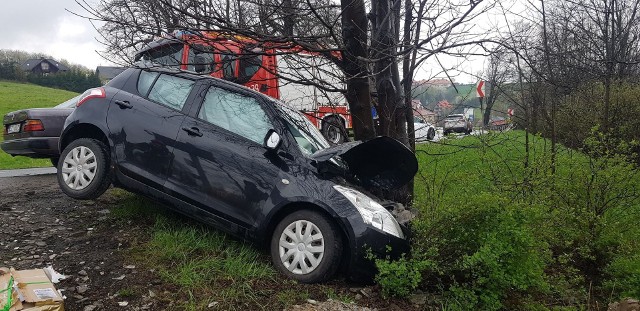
(16, 96)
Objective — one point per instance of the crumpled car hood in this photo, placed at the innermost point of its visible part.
(382, 162)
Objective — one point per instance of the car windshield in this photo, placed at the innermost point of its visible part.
(307, 136)
(453, 118)
(71, 103)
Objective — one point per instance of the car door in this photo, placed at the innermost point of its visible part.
(143, 125)
(220, 163)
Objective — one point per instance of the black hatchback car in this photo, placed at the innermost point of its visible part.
(242, 162)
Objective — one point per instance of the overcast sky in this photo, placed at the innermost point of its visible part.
(45, 26)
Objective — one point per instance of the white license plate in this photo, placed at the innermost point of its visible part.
(13, 128)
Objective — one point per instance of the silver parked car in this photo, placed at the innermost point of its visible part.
(457, 123)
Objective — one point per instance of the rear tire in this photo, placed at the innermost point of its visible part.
(431, 134)
(306, 246)
(84, 170)
(334, 131)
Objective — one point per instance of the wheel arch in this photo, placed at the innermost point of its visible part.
(83, 130)
(330, 116)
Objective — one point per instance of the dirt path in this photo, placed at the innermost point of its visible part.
(40, 226)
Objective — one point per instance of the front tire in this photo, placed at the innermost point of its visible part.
(84, 171)
(306, 246)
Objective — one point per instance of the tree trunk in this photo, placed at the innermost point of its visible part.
(392, 110)
(384, 42)
(354, 34)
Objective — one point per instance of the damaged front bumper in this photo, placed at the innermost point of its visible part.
(372, 244)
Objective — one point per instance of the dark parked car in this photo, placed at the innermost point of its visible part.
(35, 132)
(457, 123)
(242, 162)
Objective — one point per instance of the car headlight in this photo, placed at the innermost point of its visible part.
(371, 211)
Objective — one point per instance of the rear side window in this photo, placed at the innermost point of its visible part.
(236, 113)
(171, 91)
(145, 81)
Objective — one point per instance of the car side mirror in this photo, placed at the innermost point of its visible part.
(272, 140)
(200, 64)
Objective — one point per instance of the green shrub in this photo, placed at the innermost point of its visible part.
(507, 233)
(400, 277)
(482, 251)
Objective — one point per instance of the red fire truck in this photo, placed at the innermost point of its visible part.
(264, 67)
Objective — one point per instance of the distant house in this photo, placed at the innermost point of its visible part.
(423, 113)
(43, 66)
(106, 73)
(443, 108)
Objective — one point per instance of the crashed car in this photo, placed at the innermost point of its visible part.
(241, 162)
(35, 132)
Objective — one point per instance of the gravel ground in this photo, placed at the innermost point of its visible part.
(40, 226)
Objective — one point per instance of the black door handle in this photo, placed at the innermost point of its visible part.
(123, 104)
(194, 131)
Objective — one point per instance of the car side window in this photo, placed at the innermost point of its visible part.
(236, 113)
(145, 81)
(171, 91)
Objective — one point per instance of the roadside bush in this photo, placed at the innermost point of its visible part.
(482, 251)
(598, 203)
(500, 232)
(400, 277)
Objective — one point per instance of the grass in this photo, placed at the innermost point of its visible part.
(126, 292)
(16, 96)
(587, 206)
(452, 170)
(206, 265)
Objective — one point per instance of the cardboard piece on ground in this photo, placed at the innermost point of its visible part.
(32, 291)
